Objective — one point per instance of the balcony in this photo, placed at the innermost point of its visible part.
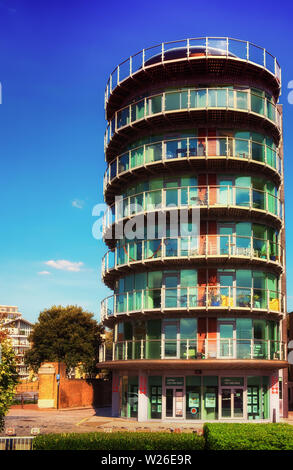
(199, 249)
(177, 106)
(198, 53)
(196, 151)
(194, 350)
(193, 299)
(226, 200)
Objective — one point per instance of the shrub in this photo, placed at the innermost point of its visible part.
(246, 436)
(119, 441)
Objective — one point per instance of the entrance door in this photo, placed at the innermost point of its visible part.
(226, 343)
(174, 402)
(232, 403)
(170, 283)
(171, 330)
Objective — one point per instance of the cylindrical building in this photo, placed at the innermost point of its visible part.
(195, 233)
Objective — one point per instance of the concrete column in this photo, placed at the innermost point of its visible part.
(115, 394)
(142, 396)
(47, 386)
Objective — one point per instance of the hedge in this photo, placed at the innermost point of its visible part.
(222, 436)
(119, 441)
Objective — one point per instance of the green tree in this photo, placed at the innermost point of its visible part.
(65, 334)
(8, 379)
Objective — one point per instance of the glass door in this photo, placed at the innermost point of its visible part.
(232, 403)
(226, 343)
(171, 330)
(174, 402)
(170, 283)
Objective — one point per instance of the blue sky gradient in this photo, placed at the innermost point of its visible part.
(55, 58)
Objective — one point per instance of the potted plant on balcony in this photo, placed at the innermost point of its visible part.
(256, 301)
(243, 300)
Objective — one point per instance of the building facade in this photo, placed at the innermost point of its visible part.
(18, 331)
(195, 232)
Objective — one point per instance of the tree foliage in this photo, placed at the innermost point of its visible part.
(8, 379)
(65, 334)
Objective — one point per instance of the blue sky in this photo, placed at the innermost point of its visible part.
(55, 58)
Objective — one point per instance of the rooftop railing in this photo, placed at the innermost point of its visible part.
(192, 298)
(193, 99)
(193, 148)
(192, 197)
(194, 349)
(192, 49)
(191, 247)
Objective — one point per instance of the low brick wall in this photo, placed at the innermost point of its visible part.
(81, 392)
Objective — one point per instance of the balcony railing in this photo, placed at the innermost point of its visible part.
(194, 349)
(209, 46)
(192, 247)
(192, 298)
(193, 148)
(193, 99)
(191, 197)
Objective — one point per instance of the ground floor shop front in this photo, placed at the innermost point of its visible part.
(177, 395)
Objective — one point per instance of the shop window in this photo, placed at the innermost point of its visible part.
(210, 398)
(193, 397)
(155, 397)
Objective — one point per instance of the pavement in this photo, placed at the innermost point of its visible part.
(82, 420)
(89, 419)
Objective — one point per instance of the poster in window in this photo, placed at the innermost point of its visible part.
(193, 400)
(210, 400)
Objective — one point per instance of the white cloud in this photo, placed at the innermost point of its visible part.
(44, 273)
(64, 265)
(78, 204)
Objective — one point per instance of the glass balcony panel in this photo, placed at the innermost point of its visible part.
(258, 152)
(171, 247)
(137, 110)
(155, 104)
(243, 297)
(171, 197)
(153, 152)
(260, 349)
(256, 54)
(257, 104)
(170, 348)
(272, 158)
(153, 249)
(271, 111)
(123, 163)
(153, 298)
(172, 101)
(113, 169)
(258, 199)
(219, 46)
(136, 158)
(243, 349)
(192, 147)
(241, 100)
(123, 117)
(242, 197)
(237, 48)
(171, 298)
